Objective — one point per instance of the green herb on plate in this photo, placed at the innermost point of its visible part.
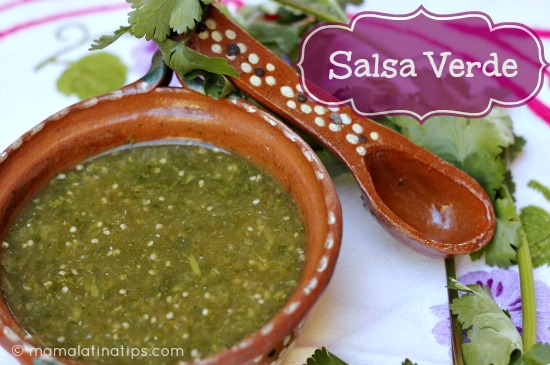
(93, 75)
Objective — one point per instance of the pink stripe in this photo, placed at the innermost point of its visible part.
(52, 18)
(14, 4)
(542, 110)
(543, 33)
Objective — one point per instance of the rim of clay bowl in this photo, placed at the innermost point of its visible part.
(135, 114)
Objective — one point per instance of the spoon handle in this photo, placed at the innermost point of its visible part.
(276, 86)
(413, 183)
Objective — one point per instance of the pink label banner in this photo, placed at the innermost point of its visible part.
(422, 64)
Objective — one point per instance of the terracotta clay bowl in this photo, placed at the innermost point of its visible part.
(145, 112)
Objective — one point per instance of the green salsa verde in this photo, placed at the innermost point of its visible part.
(153, 247)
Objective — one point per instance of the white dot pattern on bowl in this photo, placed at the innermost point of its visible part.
(37, 129)
(331, 218)
(320, 175)
(329, 243)
(3, 156)
(15, 145)
(291, 308)
(311, 286)
(267, 329)
(323, 264)
(93, 101)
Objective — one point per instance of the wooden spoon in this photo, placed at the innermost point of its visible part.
(424, 201)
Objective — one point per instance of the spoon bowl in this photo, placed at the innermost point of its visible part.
(424, 201)
(451, 216)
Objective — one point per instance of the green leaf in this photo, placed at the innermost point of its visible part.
(323, 10)
(344, 3)
(453, 138)
(214, 85)
(545, 191)
(323, 357)
(93, 75)
(183, 60)
(408, 362)
(281, 39)
(154, 19)
(488, 170)
(538, 355)
(501, 251)
(107, 40)
(536, 224)
(494, 340)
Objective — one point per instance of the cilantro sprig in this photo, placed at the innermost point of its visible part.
(158, 20)
(494, 340)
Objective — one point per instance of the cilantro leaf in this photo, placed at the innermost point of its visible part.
(502, 249)
(154, 19)
(494, 340)
(212, 84)
(323, 10)
(183, 60)
(536, 224)
(93, 75)
(107, 40)
(279, 38)
(323, 357)
(538, 355)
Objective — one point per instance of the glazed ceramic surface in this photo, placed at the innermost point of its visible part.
(143, 112)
